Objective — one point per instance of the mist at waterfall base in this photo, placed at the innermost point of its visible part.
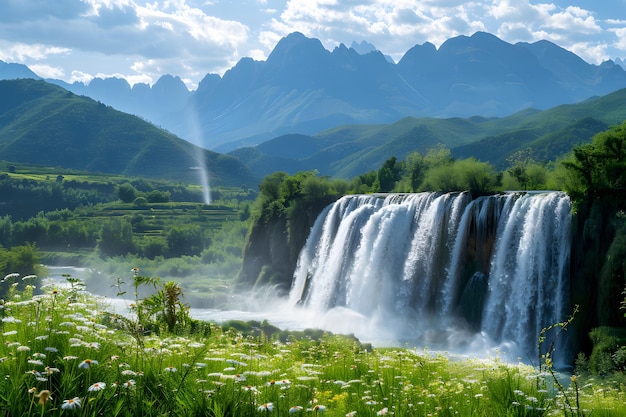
(440, 270)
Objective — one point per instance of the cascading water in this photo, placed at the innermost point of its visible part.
(441, 269)
(204, 181)
(202, 168)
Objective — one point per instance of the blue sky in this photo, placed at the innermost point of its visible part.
(76, 40)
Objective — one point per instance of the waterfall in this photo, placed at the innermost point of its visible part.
(442, 269)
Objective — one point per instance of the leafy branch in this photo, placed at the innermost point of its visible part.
(546, 362)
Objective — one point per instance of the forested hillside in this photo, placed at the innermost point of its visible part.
(76, 132)
(348, 151)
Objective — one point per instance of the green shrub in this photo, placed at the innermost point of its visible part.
(606, 344)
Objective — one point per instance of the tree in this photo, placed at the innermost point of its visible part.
(537, 175)
(116, 238)
(438, 156)
(33, 230)
(598, 169)
(364, 183)
(528, 173)
(77, 234)
(461, 175)
(387, 176)
(595, 176)
(269, 188)
(156, 196)
(414, 168)
(476, 177)
(186, 240)
(24, 259)
(127, 192)
(153, 247)
(6, 231)
(244, 213)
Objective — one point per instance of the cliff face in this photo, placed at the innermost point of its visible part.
(598, 264)
(266, 259)
(274, 243)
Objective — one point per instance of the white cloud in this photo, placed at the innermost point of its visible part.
(173, 34)
(573, 20)
(144, 66)
(268, 39)
(515, 32)
(257, 54)
(81, 77)
(47, 71)
(185, 20)
(621, 38)
(595, 53)
(394, 26)
(21, 52)
(145, 39)
(619, 22)
(139, 78)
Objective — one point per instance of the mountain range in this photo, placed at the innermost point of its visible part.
(41, 123)
(302, 88)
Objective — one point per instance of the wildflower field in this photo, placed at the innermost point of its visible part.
(63, 353)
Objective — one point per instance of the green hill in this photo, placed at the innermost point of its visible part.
(347, 151)
(44, 124)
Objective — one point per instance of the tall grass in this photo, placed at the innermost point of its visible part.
(63, 354)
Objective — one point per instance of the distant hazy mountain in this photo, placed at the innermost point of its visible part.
(162, 104)
(44, 124)
(348, 151)
(364, 48)
(304, 88)
(14, 71)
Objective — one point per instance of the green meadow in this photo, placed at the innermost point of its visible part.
(64, 352)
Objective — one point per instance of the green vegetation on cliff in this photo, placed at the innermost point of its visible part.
(595, 179)
(284, 211)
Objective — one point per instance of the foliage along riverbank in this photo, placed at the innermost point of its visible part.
(63, 353)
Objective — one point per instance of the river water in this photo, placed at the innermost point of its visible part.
(276, 312)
